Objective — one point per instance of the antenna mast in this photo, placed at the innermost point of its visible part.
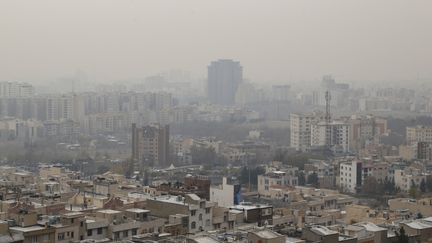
(328, 119)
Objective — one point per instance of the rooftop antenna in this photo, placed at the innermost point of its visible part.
(328, 118)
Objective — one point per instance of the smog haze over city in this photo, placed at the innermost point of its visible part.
(278, 41)
(210, 121)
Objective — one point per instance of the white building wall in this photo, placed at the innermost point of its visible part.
(348, 176)
(222, 195)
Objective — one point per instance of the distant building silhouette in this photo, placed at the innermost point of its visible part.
(224, 77)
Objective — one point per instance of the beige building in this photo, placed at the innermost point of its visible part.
(418, 134)
(365, 130)
(277, 180)
(150, 145)
(265, 236)
(199, 211)
(423, 206)
(409, 177)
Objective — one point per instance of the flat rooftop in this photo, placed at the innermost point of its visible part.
(249, 206)
(109, 211)
(28, 229)
(137, 210)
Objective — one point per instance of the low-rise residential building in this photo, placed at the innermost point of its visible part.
(199, 210)
(255, 213)
(226, 194)
(288, 177)
(407, 178)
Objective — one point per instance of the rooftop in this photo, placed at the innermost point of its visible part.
(249, 206)
(419, 225)
(108, 211)
(321, 230)
(27, 229)
(266, 234)
(137, 210)
(372, 227)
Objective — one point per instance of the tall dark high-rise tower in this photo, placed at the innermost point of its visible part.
(224, 77)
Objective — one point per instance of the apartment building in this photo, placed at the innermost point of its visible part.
(338, 132)
(300, 126)
(277, 179)
(199, 211)
(150, 145)
(418, 134)
(350, 176)
(409, 177)
(365, 130)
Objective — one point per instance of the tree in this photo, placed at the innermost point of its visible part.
(371, 186)
(301, 178)
(313, 179)
(413, 192)
(251, 173)
(389, 186)
(401, 236)
(423, 186)
(203, 155)
(429, 184)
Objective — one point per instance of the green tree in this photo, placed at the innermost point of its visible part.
(251, 173)
(429, 184)
(419, 215)
(423, 186)
(389, 186)
(401, 236)
(370, 186)
(301, 178)
(413, 192)
(203, 155)
(312, 179)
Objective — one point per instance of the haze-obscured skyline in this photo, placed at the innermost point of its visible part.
(277, 41)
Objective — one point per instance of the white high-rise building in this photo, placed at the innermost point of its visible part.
(59, 108)
(300, 126)
(338, 132)
(16, 89)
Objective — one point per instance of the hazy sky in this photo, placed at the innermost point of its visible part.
(275, 40)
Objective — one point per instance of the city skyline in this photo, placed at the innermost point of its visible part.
(285, 41)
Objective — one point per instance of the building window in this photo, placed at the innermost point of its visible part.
(193, 212)
(200, 216)
(99, 231)
(207, 210)
(89, 232)
(61, 236)
(193, 225)
(72, 234)
(33, 239)
(125, 233)
(134, 231)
